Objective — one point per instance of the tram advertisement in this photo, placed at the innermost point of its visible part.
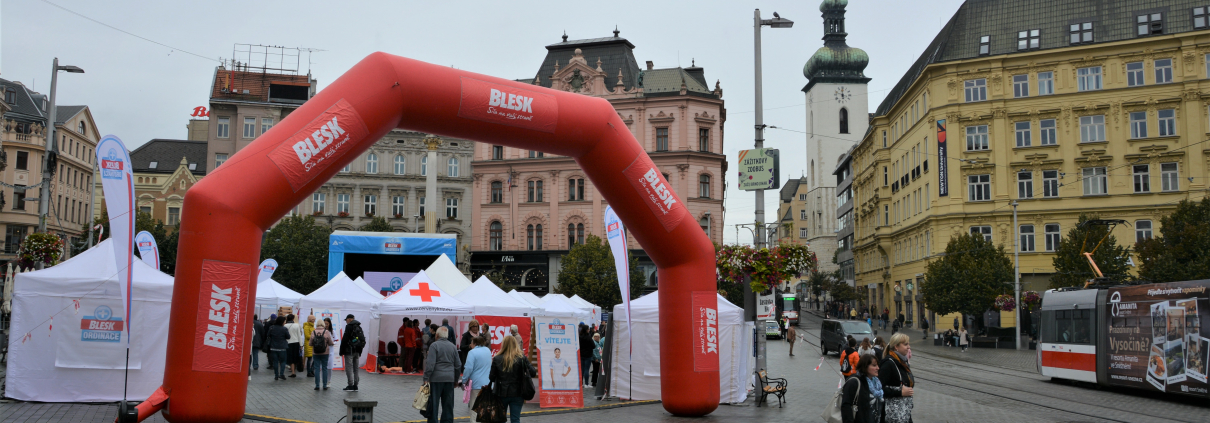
(1158, 336)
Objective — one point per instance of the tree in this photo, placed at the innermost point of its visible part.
(968, 277)
(1071, 266)
(378, 224)
(588, 271)
(301, 250)
(1182, 250)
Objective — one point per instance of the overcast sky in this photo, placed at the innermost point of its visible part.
(139, 90)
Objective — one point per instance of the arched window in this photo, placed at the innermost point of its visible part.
(401, 166)
(844, 120)
(529, 237)
(703, 186)
(538, 236)
(496, 235)
(571, 235)
(371, 163)
(452, 167)
(424, 165)
(497, 192)
(82, 132)
(579, 233)
(706, 225)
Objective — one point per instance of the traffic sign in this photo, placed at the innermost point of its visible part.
(759, 169)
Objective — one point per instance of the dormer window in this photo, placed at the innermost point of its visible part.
(1200, 18)
(985, 45)
(1150, 24)
(1081, 33)
(1028, 40)
(10, 97)
(153, 165)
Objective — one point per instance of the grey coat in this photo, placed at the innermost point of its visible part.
(442, 363)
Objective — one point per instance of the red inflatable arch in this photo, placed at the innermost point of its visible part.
(227, 212)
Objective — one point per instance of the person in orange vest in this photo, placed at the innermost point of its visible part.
(848, 359)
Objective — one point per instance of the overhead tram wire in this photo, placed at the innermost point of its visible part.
(803, 104)
(129, 33)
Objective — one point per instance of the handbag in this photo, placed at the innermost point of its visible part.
(488, 408)
(831, 413)
(527, 388)
(466, 391)
(421, 401)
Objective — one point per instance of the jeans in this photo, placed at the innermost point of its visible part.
(255, 358)
(279, 362)
(319, 365)
(441, 394)
(351, 374)
(514, 408)
(596, 370)
(585, 366)
(309, 365)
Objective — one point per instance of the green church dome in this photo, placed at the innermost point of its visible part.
(833, 5)
(836, 61)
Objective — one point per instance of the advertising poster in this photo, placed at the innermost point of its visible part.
(93, 337)
(117, 183)
(558, 364)
(943, 183)
(387, 282)
(765, 307)
(499, 327)
(1157, 337)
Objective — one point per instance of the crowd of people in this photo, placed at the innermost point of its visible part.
(879, 385)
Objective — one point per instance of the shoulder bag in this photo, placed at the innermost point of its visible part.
(421, 401)
(832, 414)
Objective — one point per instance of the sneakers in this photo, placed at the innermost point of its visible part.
(325, 387)
(294, 375)
(349, 388)
(316, 388)
(354, 388)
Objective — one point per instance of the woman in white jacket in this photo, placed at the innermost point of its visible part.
(866, 348)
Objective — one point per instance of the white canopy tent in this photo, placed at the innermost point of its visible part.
(489, 300)
(593, 308)
(270, 295)
(420, 298)
(361, 283)
(446, 275)
(527, 297)
(69, 355)
(735, 369)
(558, 307)
(338, 298)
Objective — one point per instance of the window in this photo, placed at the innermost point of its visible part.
(535, 191)
(451, 208)
(18, 198)
(884, 176)
(249, 127)
(1089, 78)
(1152, 24)
(1163, 71)
(661, 139)
(579, 233)
(496, 235)
(1023, 130)
(575, 189)
(529, 236)
(1168, 177)
(1081, 33)
(22, 160)
(1052, 236)
(986, 231)
(1138, 125)
(884, 132)
(13, 236)
(844, 120)
(497, 192)
(1199, 17)
(1095, 181)
(535, 154)
(370, 205)
(703, 186)
(224, 127)
(1046, 83)
(401, 166)
(575, 234)
(705, 224)
(1046, 131)
(174, 216)
(1025, 185)
(1092, 128)
(1142, 178)
(1167, 120)
(219, 159)
(145, 209)
(424, 165)
(976, 138)
(802, 214)
(342, 203)
(985, 43)
(802, 232)
(1020, 86)
(976, 90)
(371, 163)
(266, 124)
(703, 139)
(421, 199)
(1028, 40)
(317, 202)
(1027, 238)
(1142, 230)
(1050, 183)
(397, 206)
(538, 236)
(1134, 74)
(979, 187)
(347, 168)
(497, 152)
(802, 197)
(451, 167)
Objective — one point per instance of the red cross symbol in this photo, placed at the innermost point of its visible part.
(425, 294)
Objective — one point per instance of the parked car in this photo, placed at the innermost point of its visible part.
(834, 333)
(772, 330)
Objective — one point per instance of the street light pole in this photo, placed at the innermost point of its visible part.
(51, 145)
(1017, 275)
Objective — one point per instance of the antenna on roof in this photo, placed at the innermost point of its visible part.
(565, 35)
(615, 31)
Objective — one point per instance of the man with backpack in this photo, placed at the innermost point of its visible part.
(848, 359)
(351, 344)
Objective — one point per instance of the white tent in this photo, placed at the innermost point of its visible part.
(361, 283)
(69, 355)
(735, 370)
(558, 307)
(446, 275)
(270, 295)
(423, 296)
(338, 298)
(596, 310)
(527, 297)
(489, 300)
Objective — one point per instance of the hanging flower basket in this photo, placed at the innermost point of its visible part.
(343, 214)
(1005, 302)
(40, 248)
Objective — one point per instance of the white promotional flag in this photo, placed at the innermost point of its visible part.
(148, 250)
(616, 233)
(266, 270)
(117, 186)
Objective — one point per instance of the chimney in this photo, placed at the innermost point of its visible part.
(650, 65)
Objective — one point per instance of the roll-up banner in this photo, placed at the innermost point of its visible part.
(616, 233)
(148, 250)
(943, 180)
(117, 185)
(558, 363)
(1158, 336)
(266, 270)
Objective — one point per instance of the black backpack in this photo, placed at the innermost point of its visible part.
(319, 344)
(357, 340)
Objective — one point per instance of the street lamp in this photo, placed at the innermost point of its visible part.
(1017, 275)
(51, 145)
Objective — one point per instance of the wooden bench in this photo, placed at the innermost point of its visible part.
(770, 386)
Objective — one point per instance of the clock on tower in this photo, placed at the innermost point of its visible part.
(843, 94)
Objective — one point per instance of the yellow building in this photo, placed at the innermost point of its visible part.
(1064, 108)
(792, 221)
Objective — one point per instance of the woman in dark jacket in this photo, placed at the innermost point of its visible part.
(279, 339)
(863, 391)
(510, 369)
(897, 381)
(586, 347)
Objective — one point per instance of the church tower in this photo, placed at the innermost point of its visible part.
(837, 118)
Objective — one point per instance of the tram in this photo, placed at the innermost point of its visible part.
(1154, 337)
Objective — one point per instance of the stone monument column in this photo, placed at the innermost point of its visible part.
(432, 199)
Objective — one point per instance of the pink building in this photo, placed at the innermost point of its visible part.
(529, 208)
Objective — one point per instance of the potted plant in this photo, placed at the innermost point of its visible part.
(317, 213)
(40, 247)
(398, 215)
(343, 214)
(370, 215)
